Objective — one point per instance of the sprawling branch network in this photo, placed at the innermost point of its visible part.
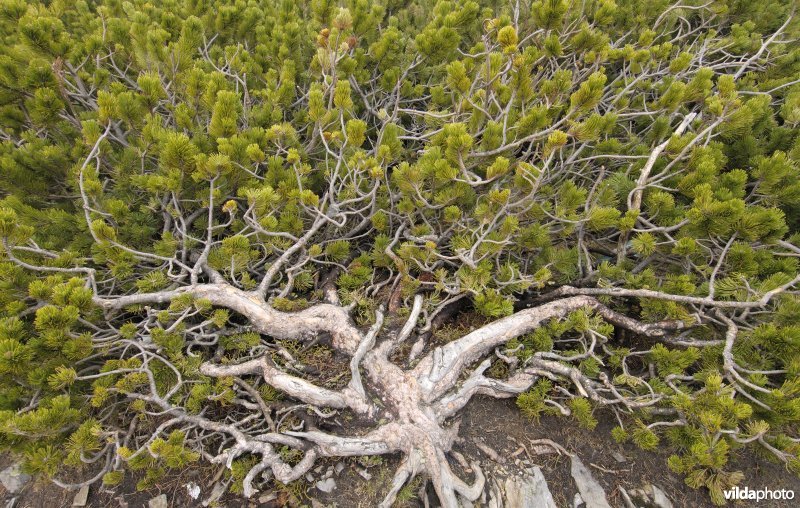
(267, 258)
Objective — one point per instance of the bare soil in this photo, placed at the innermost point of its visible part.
(498, 421)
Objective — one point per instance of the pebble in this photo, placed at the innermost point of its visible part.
(619, 457)
(13, 479)
(364, 474)
(326, 486)
(309, 478)
(81, 497)
(193, 489)
(158, 502)
(339, 468)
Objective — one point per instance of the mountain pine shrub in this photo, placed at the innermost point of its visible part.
(260, 233)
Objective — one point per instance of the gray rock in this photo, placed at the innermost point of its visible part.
(13, 479)
(339, 468)
(82, 497)
(158, 502)
(619, 457)
(537, 489)
(364, 474)
(529, 491)
(326, 486)
(660, 499)
(591, 492)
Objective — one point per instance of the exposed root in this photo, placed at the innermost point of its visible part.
(247, 484)
(294, 386)
(405, 473)
(411, 408)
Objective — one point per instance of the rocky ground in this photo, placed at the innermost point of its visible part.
(523, 469)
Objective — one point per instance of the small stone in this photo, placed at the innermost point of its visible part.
(81, 497)
(158, 502)
(619, 457)
(339, 468)
(329, 472)
(364, 474)
(309, 478)
(318, 469)
(326, 486)
(316, 504)
(193, 489)
(13, 479)
(121, 501)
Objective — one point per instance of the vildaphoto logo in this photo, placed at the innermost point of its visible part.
(746, 493)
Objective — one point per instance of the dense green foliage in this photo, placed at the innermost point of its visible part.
(481, 153)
